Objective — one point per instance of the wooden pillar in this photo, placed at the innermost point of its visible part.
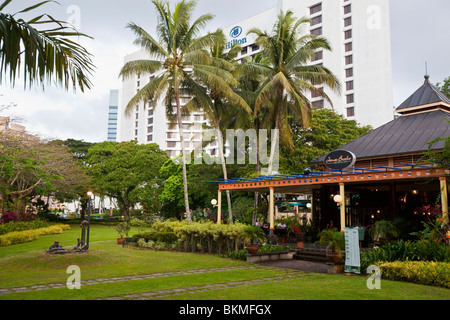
(219, 207)
(342, 194)
(271, 210)
(444, 199)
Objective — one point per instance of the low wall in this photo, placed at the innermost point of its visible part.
(270, 256)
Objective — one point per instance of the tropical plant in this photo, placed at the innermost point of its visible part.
(288, 76)
(213, 95)
(178, 55)
(385, 229)
(251, 234)
(333, 239)
(43, 49)
(123, 229)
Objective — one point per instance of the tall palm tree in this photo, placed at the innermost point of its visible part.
(42, 48)
(214, 95)
(288, 77)
(177, 55)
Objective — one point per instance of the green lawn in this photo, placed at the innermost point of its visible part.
(27, 264)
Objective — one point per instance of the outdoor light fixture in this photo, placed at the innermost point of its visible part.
(214, 202)
(308, 205)
(89, 193)
(415, 191)
(337, 198)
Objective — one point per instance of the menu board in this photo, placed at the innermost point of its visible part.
(352, 254)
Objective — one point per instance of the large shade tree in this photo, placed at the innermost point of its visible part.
(289, 77)
(178, 53)
(42, 48)
(124, 170)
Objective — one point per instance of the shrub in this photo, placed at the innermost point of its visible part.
(166, 237)
(30, 235)
(157, 245)
(239, 255)
(421, 272)
(22, 226)
(9, 216)
(266, 248)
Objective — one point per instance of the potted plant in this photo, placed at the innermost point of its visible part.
(335, 241)
(384, 231)
(122, 228)
(251, 234)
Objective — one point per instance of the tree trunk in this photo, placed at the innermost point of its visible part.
(183, 153)
(224, 167)
(273, 143)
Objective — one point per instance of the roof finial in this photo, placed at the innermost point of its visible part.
(427, 76)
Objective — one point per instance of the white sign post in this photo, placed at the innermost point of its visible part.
(352, 254)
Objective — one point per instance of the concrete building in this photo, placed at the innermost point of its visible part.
(359, 34)
(113, 115)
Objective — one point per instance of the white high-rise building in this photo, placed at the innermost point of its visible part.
(359, 34)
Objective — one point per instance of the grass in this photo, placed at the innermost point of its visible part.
(27, 264)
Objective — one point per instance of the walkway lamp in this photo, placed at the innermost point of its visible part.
(89, 207)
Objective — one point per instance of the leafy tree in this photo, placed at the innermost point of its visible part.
(178, 52)
(288, 75)
(328, 131)
(43, 48)
(124, 170)
(35, 168)
(444, 87)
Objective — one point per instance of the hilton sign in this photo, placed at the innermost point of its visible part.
(339, 160)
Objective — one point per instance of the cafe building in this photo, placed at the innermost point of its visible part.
(381, 175)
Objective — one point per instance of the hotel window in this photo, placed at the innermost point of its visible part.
(348, 59)
(150, 129)
(254, 47)
(350, 98)
(349, 85)
(348, 34)
(316, 20)
(315, 9)
(136, 124)
(351, 112)
(198, 118)
(318, 56)
(171, 144)
(150, 137)
(135, 132)
(349, 47)
(348, 22)
(349, 72)
(150, 112)
(315, 94)
(171, 135)
(348, 9)
(150, 121)
(318, 104)
(244, 51)
(317, 32)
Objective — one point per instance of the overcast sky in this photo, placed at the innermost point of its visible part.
(419, 32)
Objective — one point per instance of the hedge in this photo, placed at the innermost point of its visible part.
(420, 272)
(30, 235)
(166, 237)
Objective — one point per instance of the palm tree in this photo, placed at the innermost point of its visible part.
(288, 76)
(215, 96)
(177, 55)
(45, 54)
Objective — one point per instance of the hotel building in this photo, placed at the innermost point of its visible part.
(359, 34)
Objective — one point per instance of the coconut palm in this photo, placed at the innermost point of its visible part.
(288, 77)
(214, 95)
(174, 58)
(42, 48)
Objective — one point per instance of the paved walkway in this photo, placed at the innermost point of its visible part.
(286, 274)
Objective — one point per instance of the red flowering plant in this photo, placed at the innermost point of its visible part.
(9, 216)
(434, 228)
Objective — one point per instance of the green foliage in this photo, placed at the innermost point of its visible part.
(239, 255)
(421, 272)
(23, 225)
(123, 229)
(16, 237)
(267, 248)
(328, 131)
(444, 87)
(126, 171)
(166, 237)
(333, 239)
(385, 229)
(420, 250)
(43, 48)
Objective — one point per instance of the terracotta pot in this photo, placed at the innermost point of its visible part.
(252, 249)
(300, 245)
(334, 257)
(120, 240)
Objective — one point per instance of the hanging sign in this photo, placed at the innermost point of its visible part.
(339, 160)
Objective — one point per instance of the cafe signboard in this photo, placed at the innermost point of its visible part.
(339, 160)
